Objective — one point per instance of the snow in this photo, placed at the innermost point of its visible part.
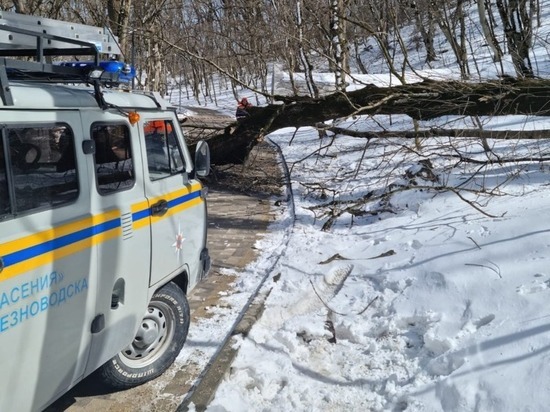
(414, 298)
(424, 302)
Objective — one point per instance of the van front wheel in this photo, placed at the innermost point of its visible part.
(157, 343)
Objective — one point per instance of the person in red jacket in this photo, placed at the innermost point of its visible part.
(242, 109)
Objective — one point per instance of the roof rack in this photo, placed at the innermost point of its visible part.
(29, 36)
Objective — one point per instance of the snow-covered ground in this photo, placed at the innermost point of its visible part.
(389, 292)
(419, 299)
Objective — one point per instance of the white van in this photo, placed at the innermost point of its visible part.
(102, 226)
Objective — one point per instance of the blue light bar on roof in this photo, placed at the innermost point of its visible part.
(125, 72)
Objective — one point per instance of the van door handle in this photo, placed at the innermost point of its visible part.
(159, 208)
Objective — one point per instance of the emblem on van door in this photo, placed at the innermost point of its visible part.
(178, 244)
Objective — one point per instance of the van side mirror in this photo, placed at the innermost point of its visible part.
(202, 159)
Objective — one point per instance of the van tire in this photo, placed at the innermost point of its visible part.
(158, 342)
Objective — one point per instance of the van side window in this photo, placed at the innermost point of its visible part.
(4, 198)
(164, 154)
(43, 167)
(113, 158)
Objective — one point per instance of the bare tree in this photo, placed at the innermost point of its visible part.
(486, 20)
(517, 19)
(119, 20)
(339, 42)
(383, 43)
(452, 25)
(308, 67)
(424, 22)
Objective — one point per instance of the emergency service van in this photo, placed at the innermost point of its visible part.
(102, 217)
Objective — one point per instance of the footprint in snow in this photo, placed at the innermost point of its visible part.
(446, 361)
(484, 231)
(535, 287)
(313, 298)
(415, 244)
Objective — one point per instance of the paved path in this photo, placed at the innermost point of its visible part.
(236, 221)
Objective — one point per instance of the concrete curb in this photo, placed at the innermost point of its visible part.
(204, 392)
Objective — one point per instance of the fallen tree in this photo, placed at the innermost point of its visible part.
(434, 132)
(420, 101)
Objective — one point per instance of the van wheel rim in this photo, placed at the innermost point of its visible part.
(153, 337)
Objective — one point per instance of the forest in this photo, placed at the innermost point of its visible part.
(195, 41)
(200, 46)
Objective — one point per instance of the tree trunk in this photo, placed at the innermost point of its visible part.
(119, 18)
(487, 29)
(308, 67)
(517, 22)
(420, 101)
(426, 29)
(447, 23)
(339, 43)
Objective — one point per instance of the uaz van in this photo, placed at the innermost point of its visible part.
(102, 222)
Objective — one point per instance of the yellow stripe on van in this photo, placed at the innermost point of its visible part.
(177, 201)
(35, 250)
(29, 252)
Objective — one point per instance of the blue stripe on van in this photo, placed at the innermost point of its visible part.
(142, 214)
(182, 199)
(145, 213)
(51, 245)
